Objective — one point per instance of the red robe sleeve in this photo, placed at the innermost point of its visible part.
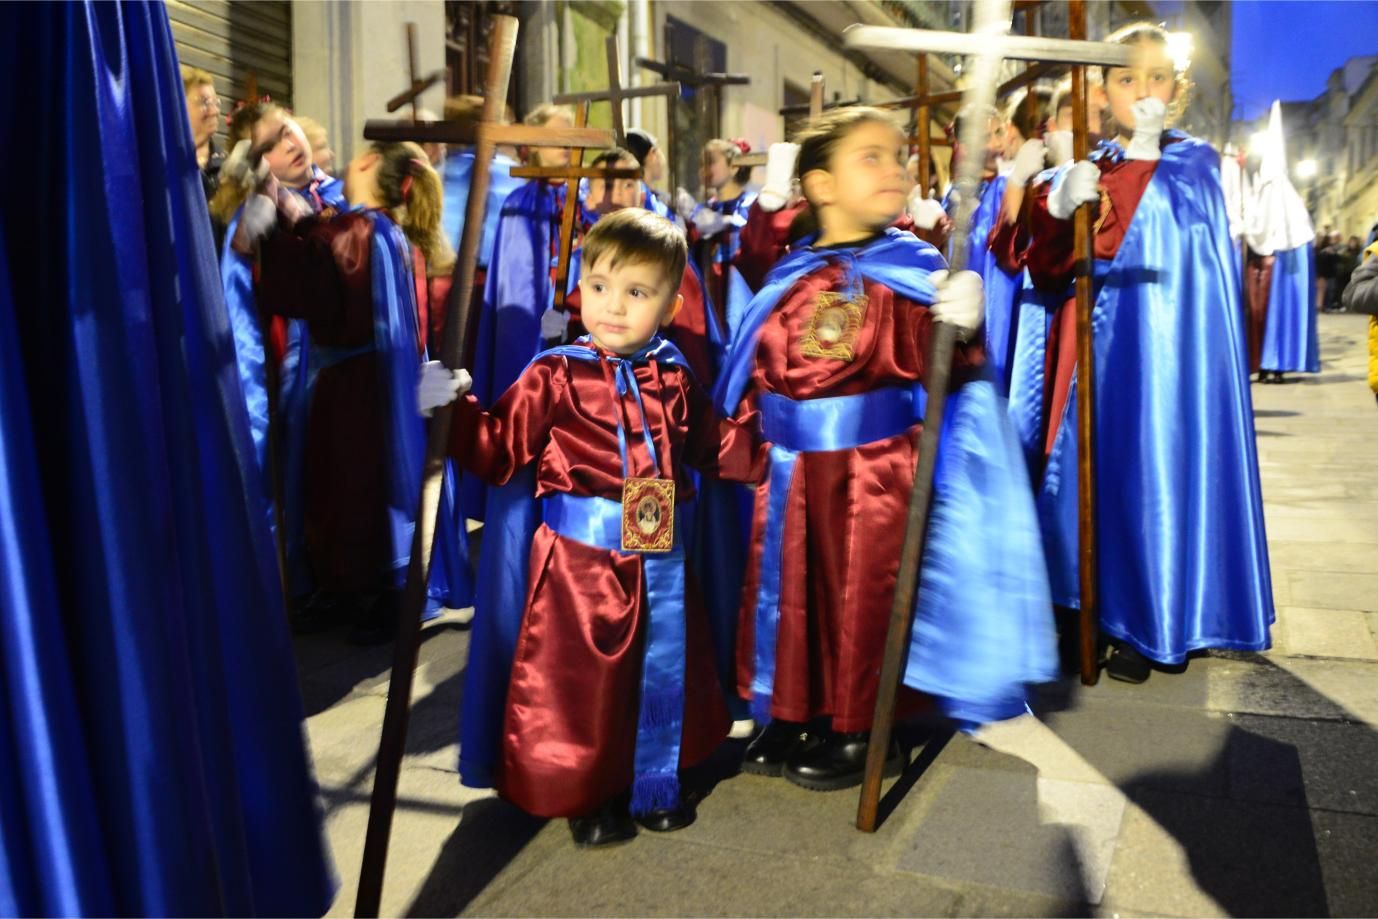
(728, 448)
(495, 444)
(1050, 256)
(318, 270)
(764, 241)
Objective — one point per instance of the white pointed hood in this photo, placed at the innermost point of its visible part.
(1277, 219)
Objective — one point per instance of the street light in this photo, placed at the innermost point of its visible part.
(1306, 169)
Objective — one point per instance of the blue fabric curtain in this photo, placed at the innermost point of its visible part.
(151, 751)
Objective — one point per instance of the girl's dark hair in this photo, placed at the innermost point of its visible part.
(1030, 110)
(820, 137)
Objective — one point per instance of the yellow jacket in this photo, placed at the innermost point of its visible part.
(1372, 252)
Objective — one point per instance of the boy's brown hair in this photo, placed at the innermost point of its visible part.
(636, 236)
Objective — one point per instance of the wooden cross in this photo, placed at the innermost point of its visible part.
(417, 85)
(486, 133)
(816, 104)
(571, 174)
(615, 94)
(986, 50)
(688, 76)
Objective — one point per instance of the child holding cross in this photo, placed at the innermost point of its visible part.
(832, 353)
(590, 679)
(1183, 564)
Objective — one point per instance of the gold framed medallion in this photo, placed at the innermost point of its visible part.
(834, 326)
(648, 515)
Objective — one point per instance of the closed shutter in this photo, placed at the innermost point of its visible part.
(234, 41)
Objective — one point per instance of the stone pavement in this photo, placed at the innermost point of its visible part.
(1247, 785)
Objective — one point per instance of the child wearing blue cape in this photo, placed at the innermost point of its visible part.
(350, 277)
(272, 353)
(832, 353)
(1183, 562)
(590, 673)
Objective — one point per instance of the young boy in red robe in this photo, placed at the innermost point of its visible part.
(593, 676)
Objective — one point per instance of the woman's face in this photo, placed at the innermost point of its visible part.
(288, 154)
(203, 112)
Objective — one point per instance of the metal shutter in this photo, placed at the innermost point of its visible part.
(233, 39)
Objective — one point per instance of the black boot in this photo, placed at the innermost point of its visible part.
(667, 819)
(610, 825)
(1128, 665)
(838, 761)
(766, 754)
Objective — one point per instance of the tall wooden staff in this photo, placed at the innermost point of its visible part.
(987, 48)
(1086, 401)
(486, 135)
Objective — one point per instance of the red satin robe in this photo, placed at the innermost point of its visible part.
(320, 271)
(1044, 245)
(569, 732)
(845, 518)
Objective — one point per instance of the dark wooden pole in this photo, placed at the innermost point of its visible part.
(395, 717)
(923, 127)
(1086, 396)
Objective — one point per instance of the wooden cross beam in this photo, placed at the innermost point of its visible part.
(571, 174)
(687, 76)
(816, 105)
(615, 94)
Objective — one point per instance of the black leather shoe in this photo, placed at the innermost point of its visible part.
(766, 754)
(838, 761)
(1128, 665)
(610, 825)
(378, 624)
(666, 819)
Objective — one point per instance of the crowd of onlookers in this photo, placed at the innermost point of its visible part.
(1336, 259)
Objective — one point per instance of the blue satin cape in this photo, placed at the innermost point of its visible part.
(1183, 554)
(296, 377)
(151, 756)
(516, 292)
(457, 171)
(1002, 289)
(982, 624)
(1290, 340)
(504, 586)
(404, 438)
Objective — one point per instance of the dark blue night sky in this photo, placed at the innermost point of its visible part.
(1286, 49)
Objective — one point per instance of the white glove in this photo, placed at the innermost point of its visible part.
(1059, 147)
(1149, 115)
(1080, 185)
(439, 386)
(961, 300)
(236, 166)
(1028, 162)
(708, 221)
(780, 162)
(925, 212)
(554, 324)
(684, 203)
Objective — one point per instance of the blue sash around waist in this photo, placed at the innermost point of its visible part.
(811, 426)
